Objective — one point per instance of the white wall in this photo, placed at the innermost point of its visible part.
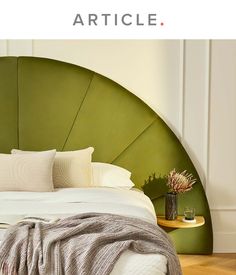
(191, 84)
(221, 188)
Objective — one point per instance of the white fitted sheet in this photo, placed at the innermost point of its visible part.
(65, 202)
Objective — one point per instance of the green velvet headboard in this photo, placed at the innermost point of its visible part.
(47, 104)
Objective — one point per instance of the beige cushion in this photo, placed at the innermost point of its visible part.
(32, 172)
(71, 168)
(110, 175)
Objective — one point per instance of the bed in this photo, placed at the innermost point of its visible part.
(47, 104)
(70, 201)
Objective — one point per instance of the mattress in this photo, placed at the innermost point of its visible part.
(65, 202)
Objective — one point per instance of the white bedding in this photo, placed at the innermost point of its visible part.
(69, 201)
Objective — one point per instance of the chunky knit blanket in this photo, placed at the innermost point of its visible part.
(85, 244)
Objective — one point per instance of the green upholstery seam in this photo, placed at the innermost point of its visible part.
(18, 104)
(76, 116)
(133, 141)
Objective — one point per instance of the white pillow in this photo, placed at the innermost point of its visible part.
(110, 175)
(32, 172)
(71, 168)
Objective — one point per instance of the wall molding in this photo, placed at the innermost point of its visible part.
(182, 88)
(208, 98)
(195, 93)
(224, 242)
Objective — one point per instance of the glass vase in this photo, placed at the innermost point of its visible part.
(171, 206)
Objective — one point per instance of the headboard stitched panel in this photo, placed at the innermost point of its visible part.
(47, 104)
(8, 104)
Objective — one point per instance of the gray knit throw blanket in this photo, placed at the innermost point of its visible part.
(84, 244)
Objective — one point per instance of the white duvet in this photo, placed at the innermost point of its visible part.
(69, 201)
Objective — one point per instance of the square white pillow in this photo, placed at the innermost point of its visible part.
(110, 175)
(32, 172)
(71, 168)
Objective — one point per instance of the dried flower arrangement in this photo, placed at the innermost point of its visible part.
(180, 182)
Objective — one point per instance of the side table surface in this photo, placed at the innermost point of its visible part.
(178, 223)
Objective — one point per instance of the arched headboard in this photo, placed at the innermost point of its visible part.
(47, 104)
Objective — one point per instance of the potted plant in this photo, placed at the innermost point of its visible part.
(177, 183)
